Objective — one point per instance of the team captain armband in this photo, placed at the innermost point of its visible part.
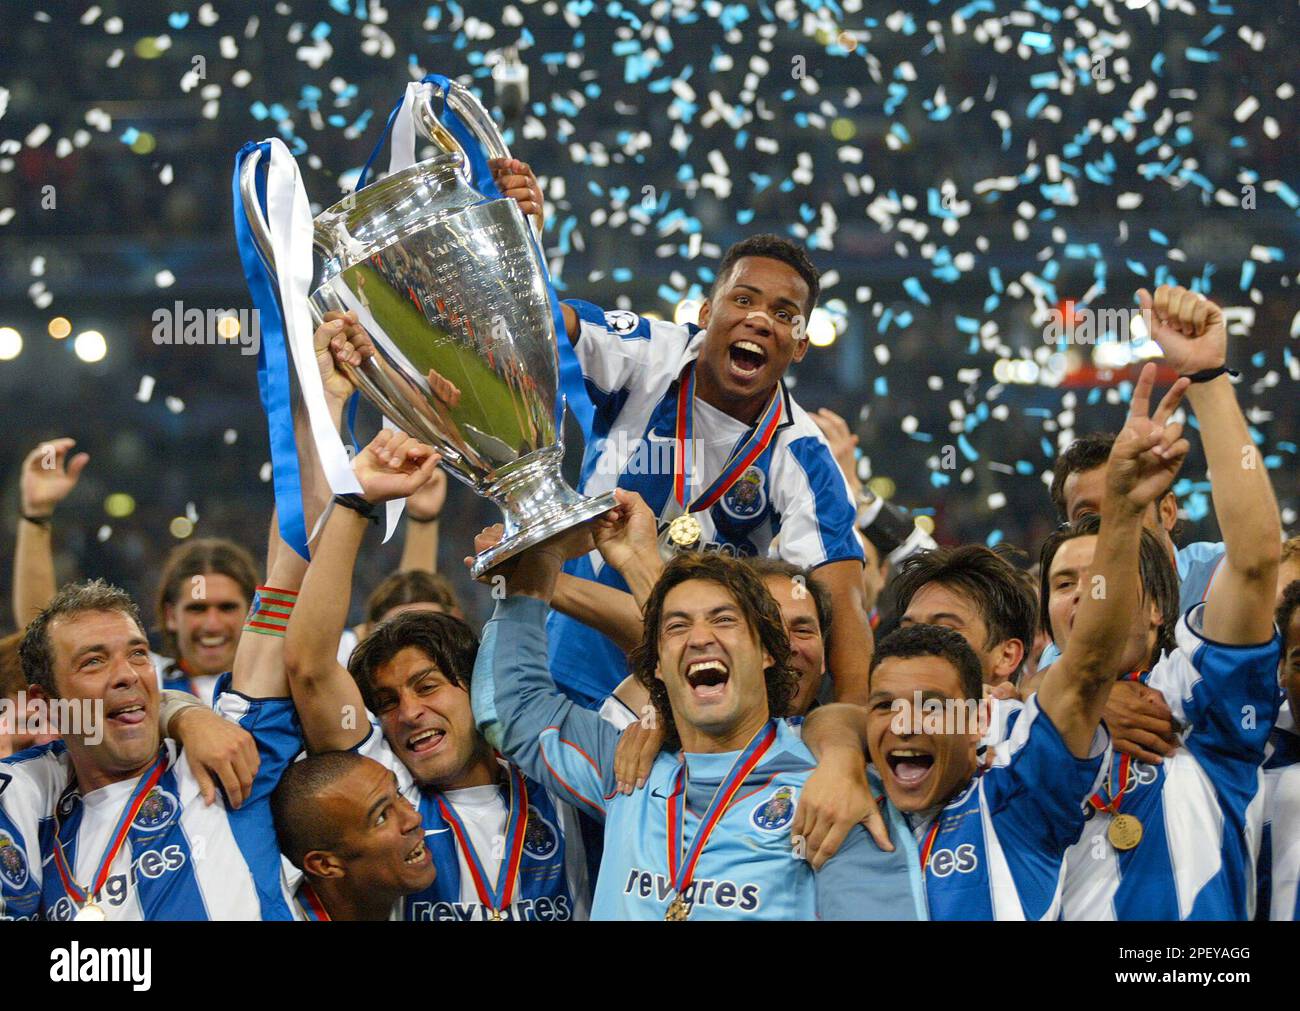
(270, 612)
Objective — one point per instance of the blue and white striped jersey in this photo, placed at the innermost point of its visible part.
(1202, 809)
(793, 494)
(182, 860)
(1283, 803)
(553, 881)
(747, 871)
(1197, 565)
(997, 850)
(1282, 752)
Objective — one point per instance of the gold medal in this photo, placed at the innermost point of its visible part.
(685, 532)
(678, 909)
(91, 911)
(1125, 832)
(496, 916)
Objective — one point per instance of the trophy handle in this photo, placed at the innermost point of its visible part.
(369, 378)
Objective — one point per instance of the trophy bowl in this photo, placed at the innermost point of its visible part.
(451, 295)
(451, 292)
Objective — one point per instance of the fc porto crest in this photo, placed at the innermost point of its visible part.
(157, 812)
(621, 321)
(775, 812)
(13, 862)
(747, 497)
(540, 837)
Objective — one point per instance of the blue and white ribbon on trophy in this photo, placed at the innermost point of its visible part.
(280, 296)
(401, 124)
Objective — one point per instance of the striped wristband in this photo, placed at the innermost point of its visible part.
(270, 612)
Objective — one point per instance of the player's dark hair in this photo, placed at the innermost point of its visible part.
(37, 651)
(769, 567)
(913, 641)
(443, 638)
(1088, 452)
(988, 578)
(202, 557)
(413, 587)
(773, 247)
(1158, 576)
(760, 611)
(300, 824)
(1286, 608)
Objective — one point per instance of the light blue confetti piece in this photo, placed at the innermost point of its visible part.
(995, 279)
(922, 436)
(904, 319)
(900, 131)
(1024, 467)
(1272, 462)
(1048, 449)
(1197, 506)
(321, 31)
(1094, 395)
(990, 303)
(881, 387)
(1183, 135)
(1247, 274)
(1258, 359)
(1200, 55)
(975, 6)
(786, 185)
(1287, 195)
(178, 19)
(668, 294)
(1048, 79)
(1158, 64)
(745, 216)
(621, 274)
(130, 134)
(1136, 267)
(967, 450)
(1036, 105)
(968, 324)
(913, 287)
(342, 6)
(938, 480)
(1212, 36)
(1147, 145)
(993, 539)
(337, 120)
(1158, 236)
(1287, 447)
(1237, 141)
(1039, 42)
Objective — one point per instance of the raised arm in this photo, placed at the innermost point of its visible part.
(1143, 463)
(1190, 330)
(48, 476)
(392, 466)
(852, 643)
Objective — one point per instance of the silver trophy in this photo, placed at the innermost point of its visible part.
(451, 292)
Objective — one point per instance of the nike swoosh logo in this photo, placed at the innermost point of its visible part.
(660, 438)
(435, 831)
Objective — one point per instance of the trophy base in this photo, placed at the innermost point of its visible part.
(542, 530)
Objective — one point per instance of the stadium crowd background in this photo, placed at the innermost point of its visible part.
(139, 156)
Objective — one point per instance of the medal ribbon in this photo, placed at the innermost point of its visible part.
(750, 449)
(147, 782)
(500, 898)
(754, 751)
(1111, 805)
(928, 845)
(311, 903)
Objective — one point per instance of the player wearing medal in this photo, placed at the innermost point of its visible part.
(697, 421)
(499, 840)
(993, 840)
(1179, 840)
(1280, 858)
(709, 835)
(107, 823)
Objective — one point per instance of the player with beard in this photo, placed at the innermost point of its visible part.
(715, 660)
(498, 838)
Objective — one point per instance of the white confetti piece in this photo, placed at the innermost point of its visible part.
(175, 404)
(145, 392)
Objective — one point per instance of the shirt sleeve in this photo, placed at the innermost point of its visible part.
(568, 749)
(29, 789)
(863, 882)
(812, 501)
(1225, 695)
(616, 348)
(1036, 787)
(275, 729)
